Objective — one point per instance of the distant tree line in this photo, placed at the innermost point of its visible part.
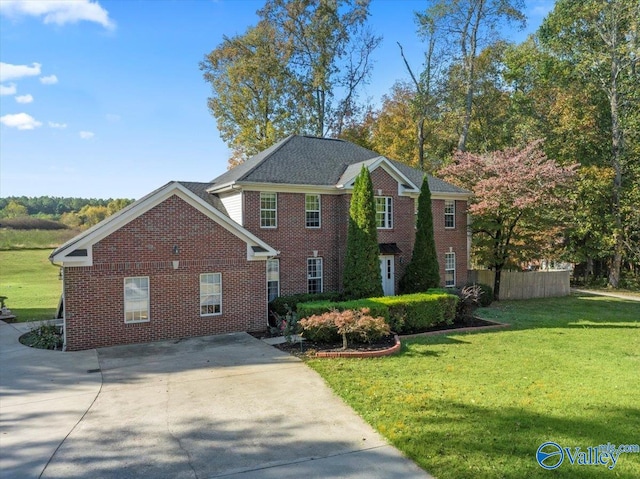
(71, 212)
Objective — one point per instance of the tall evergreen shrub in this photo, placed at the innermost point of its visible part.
(423, 271)
(362, 277)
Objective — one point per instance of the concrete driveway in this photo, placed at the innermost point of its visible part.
(218, 406)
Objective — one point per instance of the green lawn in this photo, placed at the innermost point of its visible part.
(11, 239)
(479, 405)
(31, 283)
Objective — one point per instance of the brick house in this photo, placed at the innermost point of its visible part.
(193, 259)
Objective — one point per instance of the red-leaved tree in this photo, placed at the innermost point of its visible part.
(519, 199)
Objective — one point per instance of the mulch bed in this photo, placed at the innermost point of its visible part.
(310, 348)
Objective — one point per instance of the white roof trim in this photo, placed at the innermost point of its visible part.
(114, 222)
(348, 178)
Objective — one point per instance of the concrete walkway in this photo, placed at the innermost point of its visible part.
(605, 293)
(43, 395)
(219, 406)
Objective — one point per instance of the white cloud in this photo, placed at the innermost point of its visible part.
(13, 72)
(59, 12)
(49, 80)
(9, 89)
(21, 121)
(60, 126)
(24, 98)
(87, 135)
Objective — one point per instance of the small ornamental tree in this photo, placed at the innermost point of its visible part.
(362, 277)
(423, 271)
(518, 197)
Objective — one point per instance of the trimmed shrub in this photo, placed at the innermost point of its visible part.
(283, 304)
(486, 293)
(404, 314)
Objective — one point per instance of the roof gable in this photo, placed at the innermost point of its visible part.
(68, 252)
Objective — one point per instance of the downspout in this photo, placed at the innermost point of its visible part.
(64, 307)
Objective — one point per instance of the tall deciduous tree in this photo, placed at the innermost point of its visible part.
(516, 196)
(601, 41)
(423, 271)
(362, 277)
(464, 28)
(331, 51)
(253, 92)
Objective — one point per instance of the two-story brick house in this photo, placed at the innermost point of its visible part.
(193, 259)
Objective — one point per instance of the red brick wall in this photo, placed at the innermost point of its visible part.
(94, 296)
(297, 243)
(455, 238)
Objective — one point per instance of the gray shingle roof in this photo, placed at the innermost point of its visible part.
(200, 189)
(308, 160)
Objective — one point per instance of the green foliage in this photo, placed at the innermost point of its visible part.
(286, 325)
(405, 314)
(46, 336)
(282, 304)
(422, 272)
(486, 293)
(362, 277)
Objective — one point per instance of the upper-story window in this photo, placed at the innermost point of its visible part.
(384, 212)
(312, 211)
(449, 214)
(268, 210)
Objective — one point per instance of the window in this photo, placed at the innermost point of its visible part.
(136, 299)
(449, 269)
(383, 212)
(449, 214)
(312, 210)
(314, 275)
(210, 294)
(268, 210)
(273, 279)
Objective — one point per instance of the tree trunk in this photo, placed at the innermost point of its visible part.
(421, 144)
(496, 284)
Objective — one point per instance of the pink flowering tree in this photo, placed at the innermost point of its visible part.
(519, 197)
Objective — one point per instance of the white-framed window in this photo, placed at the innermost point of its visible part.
(136, 299)
(273, 279)
(449, 269)
(210, 294)
(384, 212)
(314, 275)
(312, 211)
(268, 210)
(449, 213)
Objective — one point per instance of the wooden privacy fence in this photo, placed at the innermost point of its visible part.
(526, 285)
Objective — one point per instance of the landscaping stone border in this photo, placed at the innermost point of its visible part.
(494, 325)
(362, 354)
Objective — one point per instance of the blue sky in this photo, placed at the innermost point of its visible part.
(106, 100)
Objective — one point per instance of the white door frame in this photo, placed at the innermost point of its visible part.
(388, 272)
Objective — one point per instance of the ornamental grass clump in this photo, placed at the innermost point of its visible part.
(349, 324)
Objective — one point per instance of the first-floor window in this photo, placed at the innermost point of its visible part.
(136, 299)
(449, 269)
(314, 275)
(273, 279)
(210, 294)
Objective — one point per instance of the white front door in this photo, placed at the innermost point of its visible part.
(387, 270)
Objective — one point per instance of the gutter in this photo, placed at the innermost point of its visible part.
(64, 309)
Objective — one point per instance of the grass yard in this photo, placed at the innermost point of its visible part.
(479, 405)
(31, 283)
(11, 239)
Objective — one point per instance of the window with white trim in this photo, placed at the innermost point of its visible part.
(136, 299)
(384, 212)
(449, 269)
(268, 210)
(314, 275)
(273, 279)
(210, 294)
(312, 211)
(449, 213)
